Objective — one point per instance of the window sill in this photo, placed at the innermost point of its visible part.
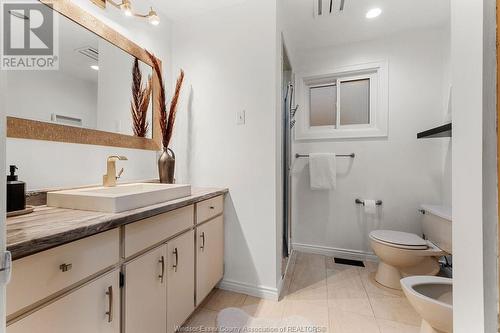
(339, 134)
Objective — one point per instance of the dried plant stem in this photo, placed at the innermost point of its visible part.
(167, 121)
(140, 101)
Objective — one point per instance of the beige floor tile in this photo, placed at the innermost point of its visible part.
(262, 308)
(202, 320)
(348, 322)
(317, 315)
(309, 279)
(346, 291)
(358, 306)
(222, 299)
(387, 326)
(395, 309)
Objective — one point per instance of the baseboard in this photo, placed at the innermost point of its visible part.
(335, 252)
(250, 289)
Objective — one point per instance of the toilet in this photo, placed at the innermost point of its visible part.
(403, 254)
(432, 299)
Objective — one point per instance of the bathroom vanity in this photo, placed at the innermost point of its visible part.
(142, 270)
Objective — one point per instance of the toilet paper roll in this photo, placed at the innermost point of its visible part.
(370, 207)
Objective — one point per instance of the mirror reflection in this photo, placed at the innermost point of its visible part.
(93, 87)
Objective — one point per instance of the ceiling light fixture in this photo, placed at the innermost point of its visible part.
(374, 12)
(126, 7)
(94, 67)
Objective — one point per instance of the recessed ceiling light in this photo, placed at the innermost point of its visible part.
(94, 67)
(374, 12)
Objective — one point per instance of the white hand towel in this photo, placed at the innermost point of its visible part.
(323, 171)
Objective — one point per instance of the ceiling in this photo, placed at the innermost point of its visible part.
(304, 31)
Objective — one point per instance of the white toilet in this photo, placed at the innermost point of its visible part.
(404, 254)
(432, 298)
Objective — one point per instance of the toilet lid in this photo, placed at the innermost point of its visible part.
(400, 238)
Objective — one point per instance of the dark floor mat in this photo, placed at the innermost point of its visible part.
(348, 262)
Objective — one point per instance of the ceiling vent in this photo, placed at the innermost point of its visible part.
(324, 8)
(89, 52)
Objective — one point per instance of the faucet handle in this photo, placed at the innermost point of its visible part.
(117, 157)
(119, 173)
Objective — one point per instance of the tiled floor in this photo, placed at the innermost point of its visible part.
(343, 299)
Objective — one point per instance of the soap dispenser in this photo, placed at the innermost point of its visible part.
(16, 192)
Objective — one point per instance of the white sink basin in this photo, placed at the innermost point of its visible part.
(119, 198)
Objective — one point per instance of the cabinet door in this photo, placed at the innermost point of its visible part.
(180, 280)
(146, 292)
(95, 308)
(209, 257)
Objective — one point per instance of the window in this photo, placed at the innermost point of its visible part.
(323, 107)
(352, 98)
(345, 104)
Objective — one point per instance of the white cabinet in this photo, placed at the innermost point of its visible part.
(145, 295)
(95, 307)
(180, 280)
(209, 256)
(46, 273)
(76, 287)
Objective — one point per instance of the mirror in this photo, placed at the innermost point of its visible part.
(90, 93)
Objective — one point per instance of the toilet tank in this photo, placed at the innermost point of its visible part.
(436, 225)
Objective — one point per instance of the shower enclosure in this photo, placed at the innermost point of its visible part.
(288, 112)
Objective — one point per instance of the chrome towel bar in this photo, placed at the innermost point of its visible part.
(338, 155)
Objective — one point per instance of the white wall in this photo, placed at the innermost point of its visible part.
(230, 64)
(474, 166)
(50, 165)
(51, 92)
(400, 170)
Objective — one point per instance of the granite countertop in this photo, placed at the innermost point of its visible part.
(48, 227)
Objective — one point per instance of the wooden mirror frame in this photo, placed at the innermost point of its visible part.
(38, 130)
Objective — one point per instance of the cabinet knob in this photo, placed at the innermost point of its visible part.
(65, 267)
(212, 207)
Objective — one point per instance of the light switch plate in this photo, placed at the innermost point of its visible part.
(240, 117)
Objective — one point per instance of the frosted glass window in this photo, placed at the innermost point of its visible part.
(355, 102)
(323, 106)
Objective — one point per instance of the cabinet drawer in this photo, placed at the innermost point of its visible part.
(143, 234)
(41, 275)
(207, 209)
(95, 308)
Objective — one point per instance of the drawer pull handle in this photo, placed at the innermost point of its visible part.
(109, 313)
(162, 262)
(212, 207)
(176, 253)
(65, 267)
(202, 247)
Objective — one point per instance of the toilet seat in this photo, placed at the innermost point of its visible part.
(398, 239)
(439, 285)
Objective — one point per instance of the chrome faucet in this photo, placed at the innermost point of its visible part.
(109, 179)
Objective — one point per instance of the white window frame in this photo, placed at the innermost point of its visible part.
(376, 72)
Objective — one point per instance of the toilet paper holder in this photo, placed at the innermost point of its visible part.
(362, 202)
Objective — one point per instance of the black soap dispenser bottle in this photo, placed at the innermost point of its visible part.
(16, 192)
